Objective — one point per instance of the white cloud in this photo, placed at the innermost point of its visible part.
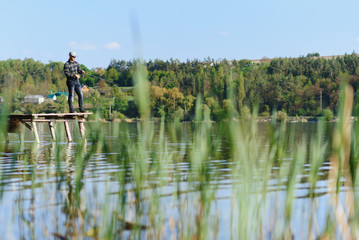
(357, 39)
(223, 33)
(112, 46)
(89, 46)
(82, 45)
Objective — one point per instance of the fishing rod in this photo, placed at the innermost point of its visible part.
(94, 76)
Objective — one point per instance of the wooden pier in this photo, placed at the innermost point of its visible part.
(31, 121)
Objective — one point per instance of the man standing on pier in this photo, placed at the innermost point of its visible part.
(72, 71)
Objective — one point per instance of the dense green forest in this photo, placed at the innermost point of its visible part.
(304, 86)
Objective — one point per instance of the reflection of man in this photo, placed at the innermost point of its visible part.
(72, 71)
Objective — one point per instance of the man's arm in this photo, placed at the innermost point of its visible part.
(79, 70)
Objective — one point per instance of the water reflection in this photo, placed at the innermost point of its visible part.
(82, 189)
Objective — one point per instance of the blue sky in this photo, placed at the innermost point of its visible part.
(100, 31)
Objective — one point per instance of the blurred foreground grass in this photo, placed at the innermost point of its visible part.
(156, 190)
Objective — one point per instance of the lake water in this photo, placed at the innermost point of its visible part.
(129, 183)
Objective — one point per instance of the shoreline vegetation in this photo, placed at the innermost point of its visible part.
(304, 86)
(259, 119)
(302, 119)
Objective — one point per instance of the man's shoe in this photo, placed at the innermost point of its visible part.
(72, 111)
(82, 111)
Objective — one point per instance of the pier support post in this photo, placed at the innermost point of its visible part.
(52, 130)
(82, 129)
(34, 128)
(68, 133)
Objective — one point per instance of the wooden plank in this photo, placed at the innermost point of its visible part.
(61, 114)
(52, 131)
(20, 116)
(48, 115)
(68, 133)
(56, 120)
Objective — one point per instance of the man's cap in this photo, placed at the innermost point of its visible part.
(72, 53)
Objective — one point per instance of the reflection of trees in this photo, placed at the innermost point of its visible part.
(69, 208)
(74, 214)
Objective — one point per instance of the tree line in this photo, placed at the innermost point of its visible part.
(303, 86)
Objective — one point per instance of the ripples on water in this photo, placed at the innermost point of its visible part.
(41, 196)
